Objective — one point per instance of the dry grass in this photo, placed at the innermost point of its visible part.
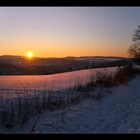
(122, 76)
(19, 110)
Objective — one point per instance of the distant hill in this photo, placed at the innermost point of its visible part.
(100, 58)
(20, 65)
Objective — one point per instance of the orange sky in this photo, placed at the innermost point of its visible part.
(67, 31)
(57, 51)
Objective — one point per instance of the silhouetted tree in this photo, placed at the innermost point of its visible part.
(134, 49)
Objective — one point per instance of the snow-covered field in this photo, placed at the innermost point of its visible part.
(118, 112)
(51, 82)
(99, 59)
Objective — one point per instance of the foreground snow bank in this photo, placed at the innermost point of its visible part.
(116, 113)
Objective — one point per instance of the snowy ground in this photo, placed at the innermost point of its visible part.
(51, 82)
(118, 112)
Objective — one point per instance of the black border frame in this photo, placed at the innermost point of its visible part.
(70, 3)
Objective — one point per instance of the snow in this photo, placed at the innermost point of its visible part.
(117, 112)
(51, 82)
(136, 66)
(100, 59)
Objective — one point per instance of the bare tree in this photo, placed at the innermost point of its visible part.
(134, 49)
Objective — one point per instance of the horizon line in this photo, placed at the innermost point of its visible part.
(67, 56)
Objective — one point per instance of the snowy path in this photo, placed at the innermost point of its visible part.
(118, 112)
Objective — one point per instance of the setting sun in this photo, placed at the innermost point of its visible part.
(29, 54)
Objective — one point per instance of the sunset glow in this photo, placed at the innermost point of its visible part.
(29, 54)
(67, 31)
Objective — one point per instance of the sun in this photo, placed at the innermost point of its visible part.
(29, 54)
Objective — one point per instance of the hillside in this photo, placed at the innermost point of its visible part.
(19, 65)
